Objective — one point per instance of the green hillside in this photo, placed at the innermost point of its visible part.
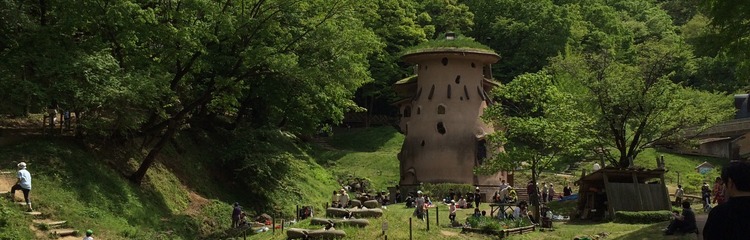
(183, 197)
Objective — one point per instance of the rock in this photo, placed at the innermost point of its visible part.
(372, 204)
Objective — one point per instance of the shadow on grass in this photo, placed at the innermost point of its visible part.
(100, 194)
(654, 232)
(363, 139)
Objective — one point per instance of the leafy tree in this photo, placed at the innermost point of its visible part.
(445, 16)
(541, 125)
(636, 105)
(524, 33)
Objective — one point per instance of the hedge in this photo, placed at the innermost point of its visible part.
(442, 190)
(643, 216)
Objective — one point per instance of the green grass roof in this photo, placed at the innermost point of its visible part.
(460, 43)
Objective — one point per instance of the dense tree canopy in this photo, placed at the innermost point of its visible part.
(150, 69)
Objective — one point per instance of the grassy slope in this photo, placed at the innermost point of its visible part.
(82, 188)
(369, 153)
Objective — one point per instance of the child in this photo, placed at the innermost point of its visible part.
(88, 235)
(452, 215)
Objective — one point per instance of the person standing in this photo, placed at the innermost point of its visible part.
(544, 193)
(452, 215)
(477, 197)
(729, 221)
(236, 212)
(503, 184)
(705, 194)
(419, 202)
(24, 184)
(678, 194)
(718, 190)
(344, 199)
(551, 194)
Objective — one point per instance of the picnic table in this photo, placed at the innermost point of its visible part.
(503, 207)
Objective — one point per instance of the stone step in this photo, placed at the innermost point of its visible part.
(64, 232)
(4, 192)
(50, 223)
(21, 203)
(35, 213)
(6, 172)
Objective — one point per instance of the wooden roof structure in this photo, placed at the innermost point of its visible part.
(616, 189)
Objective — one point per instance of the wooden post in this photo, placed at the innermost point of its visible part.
(437, 216)
(637, 191)
(668, 206)
(427, 216)
(282, 225)
(607, 189)
(410, 228)
(273, 224)
(296, 215)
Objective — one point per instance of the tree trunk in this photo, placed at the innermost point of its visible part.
(138, 176)
(535, 199)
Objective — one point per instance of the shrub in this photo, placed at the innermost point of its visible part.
(441, 190)
(488, 223)
(643, 216)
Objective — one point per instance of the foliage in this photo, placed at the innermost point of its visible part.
(12, 223)
(524, 33)
(440, 191)
(445, 16)
(537, 118)
(643, 216)
(489, 223)
(635, 104)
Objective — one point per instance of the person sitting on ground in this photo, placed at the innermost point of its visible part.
(521, 210)
(243, 220)
(329, 226)
(512, 195)
(484, 213)
(477, 213)
(409, 201)
(730, 219)
(462, 203)
(335, 199)
(88, 235)
(567, 190)
(684, 223)
(379, 198)
(496, 197)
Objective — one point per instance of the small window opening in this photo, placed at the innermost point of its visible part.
(441, 128)
(441, 109)
(445, 61)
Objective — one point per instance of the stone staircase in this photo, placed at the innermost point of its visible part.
(41, 222)
(523, 195)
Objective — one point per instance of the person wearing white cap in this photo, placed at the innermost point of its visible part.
(452, 215)
(23, 184)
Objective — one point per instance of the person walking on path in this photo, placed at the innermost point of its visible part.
(88, 235)
(236, 212)
(706, 195)
(678, 194)
(729, 221)
(23, 184)
(452, 215)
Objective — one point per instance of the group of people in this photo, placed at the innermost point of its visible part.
(728, 220)
(464, 201)
(547, 192)
(506, 194)
(341, 198)
(23, 183)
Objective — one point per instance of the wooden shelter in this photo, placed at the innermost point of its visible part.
(607, 190)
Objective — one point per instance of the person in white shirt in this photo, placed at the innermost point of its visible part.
(23, 184)
(503, 184)
(462, 203)
(88, 235)
(343, 199)
(678, 194)
(521, 211)
(419, 204)
(452, 215)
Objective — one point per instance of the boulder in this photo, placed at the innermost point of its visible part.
(355, 203)
(372, 204)
(341, 222)
(299, 233)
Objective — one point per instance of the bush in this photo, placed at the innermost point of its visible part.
(441, 190)
(643, 216)
(488, 223)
